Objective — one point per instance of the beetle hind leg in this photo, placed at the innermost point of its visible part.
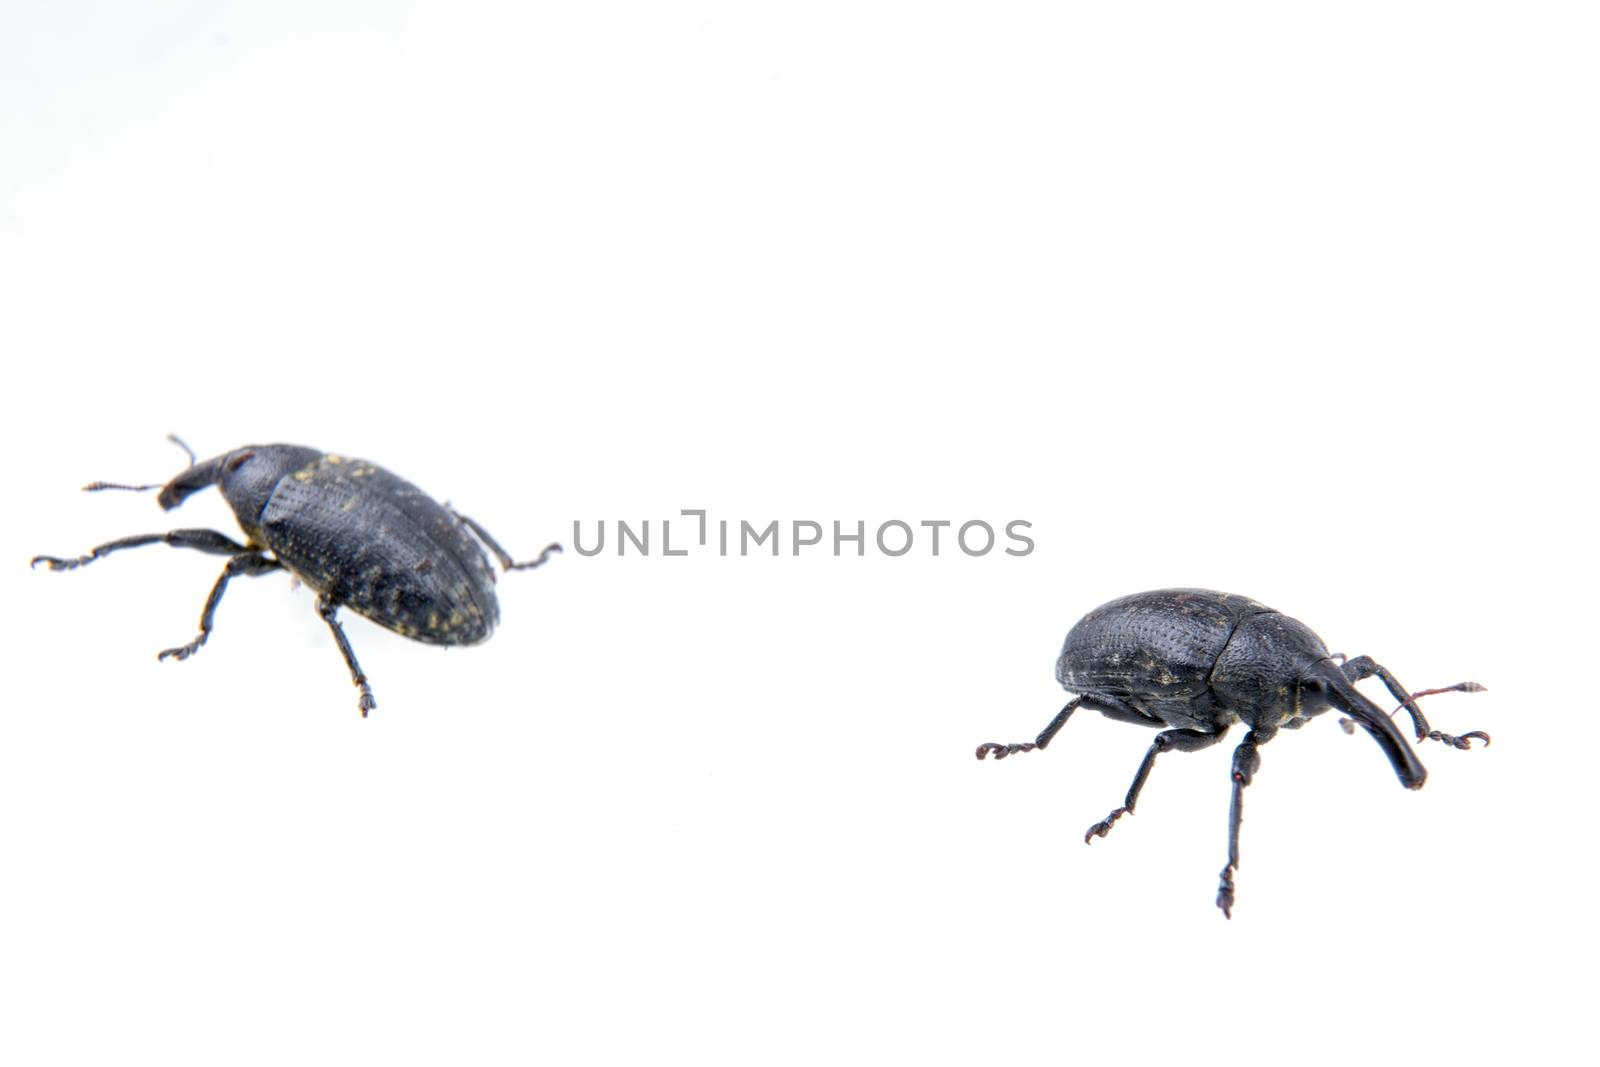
(1166, 740)
(1363, 667)
(328, 609)
(247, 563)
(1000, 751)
(506, 562)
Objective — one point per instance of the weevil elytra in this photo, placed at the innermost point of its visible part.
(357, 535)
(1197, 662)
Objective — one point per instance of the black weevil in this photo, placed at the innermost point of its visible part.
(1196, 662)
(357, 535)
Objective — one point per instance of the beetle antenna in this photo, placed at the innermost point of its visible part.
(1459, 687)
(95, 487)
(175, 439)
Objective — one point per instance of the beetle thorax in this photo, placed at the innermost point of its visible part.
(249, 476)
(1262, 674)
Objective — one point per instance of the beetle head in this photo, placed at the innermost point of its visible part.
(246, 477)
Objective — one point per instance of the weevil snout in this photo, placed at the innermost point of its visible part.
(1364, 713)
(189, 481)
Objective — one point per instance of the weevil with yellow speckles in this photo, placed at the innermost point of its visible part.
(357, 535)
(1198, 662)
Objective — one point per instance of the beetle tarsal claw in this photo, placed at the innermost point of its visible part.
(182, 652)
(1463, 742)
(1002, 751)
(1225, 892)
(1103, 827)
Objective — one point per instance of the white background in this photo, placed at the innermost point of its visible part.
(1290, 300)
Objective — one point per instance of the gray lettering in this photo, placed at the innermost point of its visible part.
(577, 538)
(701, 512)
(884, 548)
(625, 534)
(745, 530)
(800, 542)
(1011, 532)
(961, 537)
(666, 540)
(859, 537)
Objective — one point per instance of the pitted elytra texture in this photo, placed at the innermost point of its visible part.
(357, 535)
(1197, 662)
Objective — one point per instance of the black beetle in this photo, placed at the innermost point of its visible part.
(357, 535)
(1197, 662)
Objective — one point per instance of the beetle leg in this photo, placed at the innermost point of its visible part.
(1166, 740)
(1349, 725)
(1363, 667)
(1465, 740)
(203, 540)
(1042, 741)
(327, 608)
(506, 562)
(246, 563)
(1246, 761)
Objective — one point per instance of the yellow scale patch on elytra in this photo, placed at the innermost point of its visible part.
(455, 619)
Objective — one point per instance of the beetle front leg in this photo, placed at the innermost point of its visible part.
(1166, 740)
(1363, 667)
(1246, 761)
(506, 562)
(1041, 742)
(201, 540)
(248, 563)
(328, 608)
